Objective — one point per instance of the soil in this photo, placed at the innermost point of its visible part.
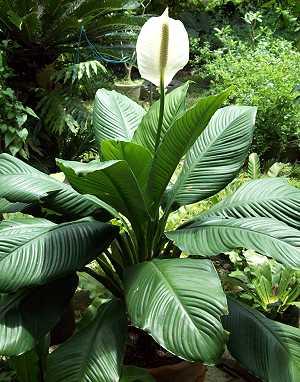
(143, 351)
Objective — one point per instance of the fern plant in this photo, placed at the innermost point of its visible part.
(48, 54)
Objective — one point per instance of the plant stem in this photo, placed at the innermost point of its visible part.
(107, 283)
(161, 112)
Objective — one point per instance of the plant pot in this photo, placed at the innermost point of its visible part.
(182, 371)
(130, 89)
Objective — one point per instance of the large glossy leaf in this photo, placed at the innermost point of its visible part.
(216, 156)
(174, 106)
(269, 197)
(138, 158)
(213, 236)
(111, 181)
(21, 183)
(95, 353)
(35, 251)
(179, 302)
(8, 207)
(269, 349)
(28, 315)
(135, 374)
(178, 139)
(115, 116)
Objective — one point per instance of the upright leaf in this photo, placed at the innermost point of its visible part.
(137, 157)
(213, 236)
(269, 349)
(28, 315)
(115, 116)
(179, 302)
(216, 156)
(177, 140)
(35, 251)
(95, 353)
(254, 166)
(174, 106)
(272, 198)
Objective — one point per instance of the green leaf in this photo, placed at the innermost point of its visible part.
(179, 302)
(135, 374)
(272, 198)
(28, 315)
(254, 166)
(216, 156)
(174, 106)
(269, 349)
(138, 158)
(8, 207)
(111, 181)
(35, 251)
(22, 183)
(115, 116)
(178, 139)
(213, 236)
(95, 353)
(27, 367)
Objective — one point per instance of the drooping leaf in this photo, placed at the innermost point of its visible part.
(21, 183)
(178, 139)
(179, 302)
(174, 106)
(8, 207)
(135, 374)
(111, 181)
(138, 157)
(254, 166)
(272, 198)
(269, 349)
(210, 237)
(115, 116)
(35, 251)
(95, 353)
(216, 156)
(29, 314)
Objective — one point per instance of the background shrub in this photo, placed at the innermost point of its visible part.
(263, 75)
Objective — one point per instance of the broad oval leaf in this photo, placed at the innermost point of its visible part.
(137, 157)
(213, 236)
(21, 183)
(268, 197)
(269, 349)
(95, 353)
(216, 156)
(177, 140)
(35, 251)
(179, 302)
(111, 181)
(115, 116)
(175, 101)
(28, 315)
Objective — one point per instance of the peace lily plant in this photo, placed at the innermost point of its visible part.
(114, 210)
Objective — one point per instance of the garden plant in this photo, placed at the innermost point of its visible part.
(114, 210)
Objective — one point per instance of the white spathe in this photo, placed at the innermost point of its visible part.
(162, 49)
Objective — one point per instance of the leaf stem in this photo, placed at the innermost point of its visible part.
(161, 112)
